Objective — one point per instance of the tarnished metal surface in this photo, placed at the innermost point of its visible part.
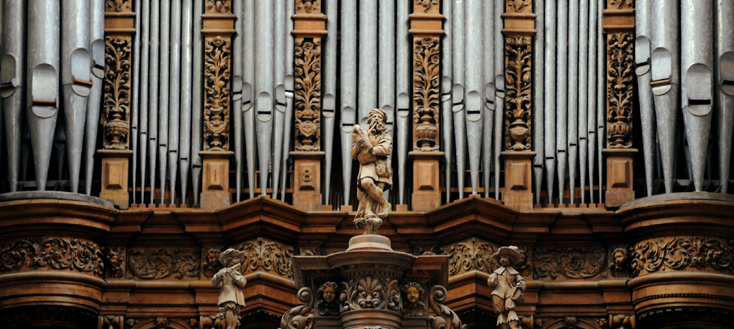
(473, 94)
(644, 91)
(12, 82)
(724, 79)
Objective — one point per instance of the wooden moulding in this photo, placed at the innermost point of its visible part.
(619, 177)
(115, 166)
(518, 191)
(215, 176)
(307, 180)
(426, 172)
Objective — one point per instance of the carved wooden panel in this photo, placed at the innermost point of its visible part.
(426, 30)
(619, 29)
(119, 31)
(51, 253)
(686, 253)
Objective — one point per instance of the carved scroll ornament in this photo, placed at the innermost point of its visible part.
(620, 73)
(518, 6)
(571, 263)
(426, 92)
(298, 317)
(444, 317)
(54, 253)
(518, 88)
(116, 116)
(308, 94)
(470, 255)
(266, 255)
(308, 6)
(427, 4)
(153, 264)
(217, 57)
(696, 254)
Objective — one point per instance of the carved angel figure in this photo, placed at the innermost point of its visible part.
(232, 282)
(508, 287)
(371, 148)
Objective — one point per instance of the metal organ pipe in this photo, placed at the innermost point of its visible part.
(561, 94)
(248, 93)
(724, 79)
(474, 75)
(386, 71)
(591, 95)
(264, 86)
(197, 101)
(135, 108)
(237, 83)
(289, 86)
(601, 99)
(550, 95)
(12, 81)
(144, 91)
(367, 99)
(499, 84)
(538, 90)
(329, 85)
(642, 70)
(163, 94)
(489, 106)
(573, 87)
(402, 83)
(583, 132)
(458, 93)
(96, 41)
(347, 89)
(155, 20)
(280, 103)
(446, 101)
(186, 88)
(174, 98)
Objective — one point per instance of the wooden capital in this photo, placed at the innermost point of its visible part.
(426, 170)
(518, 191)
(619, 176)
(115, 166)
(307, 180)
(215, 177)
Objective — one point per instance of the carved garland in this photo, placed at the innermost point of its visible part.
(683, 254)
(619, 89)
(116, 116)
(52, 253)
(426, 95)
(217, 59)
(518, 77)
(572, 263)
(153, 264)
(308, 93)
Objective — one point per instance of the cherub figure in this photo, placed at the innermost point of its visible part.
(232, 281)
(508, 287)
(371, 148)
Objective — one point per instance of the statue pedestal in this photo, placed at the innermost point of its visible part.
(115, 166)
(619, 177)
(215, 177)
(518, 191)
(426, 171)
(307, 180)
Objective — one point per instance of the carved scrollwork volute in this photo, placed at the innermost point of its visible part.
(444, 317)
(298, 317)
(118, 6)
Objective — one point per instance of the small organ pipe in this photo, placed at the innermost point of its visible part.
(289, 86)
(153, 101)
(12, 82)
(248, 93)
(583, 132)
(163, 94)
(642, 69)
(329, 84)
(196, 101)
(184, 150)
(237, 82)
(347, 89)
(280, 102)
(550, 95)
(446, 90)
(561, 95)
(489, 106)
(174, 114)
(573, 88)
(538, 112)
(458, 93)
(591, 95)
(474, 99)
(135, 108)
(725, 86)
(499, 101)
(367, 99)
(264, 87)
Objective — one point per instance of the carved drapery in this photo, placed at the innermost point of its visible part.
(518, 74)
(51, 253)
(309, 29)
(119, 31)
(693, 254)
(161, 263)
(426, 69)
(620, 72)
(218, 22)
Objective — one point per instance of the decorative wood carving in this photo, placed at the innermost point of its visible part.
(298, 317)
(328, 302)
(51, 253)
(518, 88)
(470, 255)
(118, 5)
(695, 254)
(444, 318)
(266, 255)
(620, 71)
(217, 76)
(571, 263)
(114, 262)
(426, 92)
(369, 292)
(308, 90)
(116, 116)
(153, 264)
(219, 6)
(308, 6)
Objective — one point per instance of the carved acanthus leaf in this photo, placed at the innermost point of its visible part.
(571, 263)
(683, 254)
(153, 264)
(444, 317)
(298, 317)
(620, 73)
(116, 116)
(266, 255)
(53, 253)
(519, 6)
(426, 59)
(308, 94)
(218, 6)
(217, 57)
(118, 6)
(308, 6)
(518, 78)
(470, 255)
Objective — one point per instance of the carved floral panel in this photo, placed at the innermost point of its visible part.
(308, 94)
(426, 60)
(266, 255)
(696, 254)
(116, 115)
(51, 253)
(469, 255)
(569, 263)
(620, 73)
(518, 88)
(217, 75)
(161, 263)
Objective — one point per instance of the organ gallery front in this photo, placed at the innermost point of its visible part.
(294, 164)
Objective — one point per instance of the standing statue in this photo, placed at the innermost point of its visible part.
(371, 148)
(232, 282)
(508, 287)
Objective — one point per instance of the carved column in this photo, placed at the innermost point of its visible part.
(426, 29)
(218, 28)
(309, 27)
(519, 31)
(619, 28)
(119, 32)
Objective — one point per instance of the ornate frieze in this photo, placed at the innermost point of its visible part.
(518, 92)
(116, 116)
(570, 263)
(266, 255)
(696, 254)
(426, 60)
(217, 76)
(161, 263)
(51, 253)
(308, 91)
(620, 73)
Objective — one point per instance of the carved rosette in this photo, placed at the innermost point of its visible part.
(308, 91)
(620, 73)
(690, 254)
(116, 116)
(518, 89)
(52, 253)
(426, 55)
(569, 263)
(269, 256)
(161, 263)
(217, 75)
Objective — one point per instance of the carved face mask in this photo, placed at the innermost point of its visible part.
(329, 294)
(412, 294)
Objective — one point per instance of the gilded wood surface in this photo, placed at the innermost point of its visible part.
(308, 94)
(116, 116)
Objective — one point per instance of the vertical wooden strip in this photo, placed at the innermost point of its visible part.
(119, 31)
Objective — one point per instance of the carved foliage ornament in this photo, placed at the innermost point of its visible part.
(298, 317)
(153, 264)
(620, 73)
(370, 293)
(118, 5)
(116, 115)
(683, 254)
(519, 6)
(218, 6)
(308, 94)
(571, 263)
(518, 77)
(444, 317)
(620, 4)
(266, 255)
(308, 6)
(426, 92)
(427, 4)
(51, 254)
(217, 58)
(470, 255)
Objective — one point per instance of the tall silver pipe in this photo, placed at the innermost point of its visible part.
(144, 91)
(573, 87)
(538, 112)
(386, 60)
(12, 81)
(237, 83)
(174, 98)
(601, 100)
(348, 89)
(591, 95)
(290, 9)
(75, 80)
(549, 129)
(458, 93)
(280, 103)
(473, 95)
(367, 99)
(499, 100)
(264, 86)
(561, 95)
(184, 151)
(447, 115)
(248, 93)
(163, 94)
(329, 86)
(725, 85)
(43, 86)
(489, 106)
(94, 108)
(665, 81)
(697, 57)
(642, 69)
(197, 101)
(135, 108)
(583, 96)
(155, 20)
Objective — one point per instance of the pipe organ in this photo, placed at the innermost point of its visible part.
(160, 81)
